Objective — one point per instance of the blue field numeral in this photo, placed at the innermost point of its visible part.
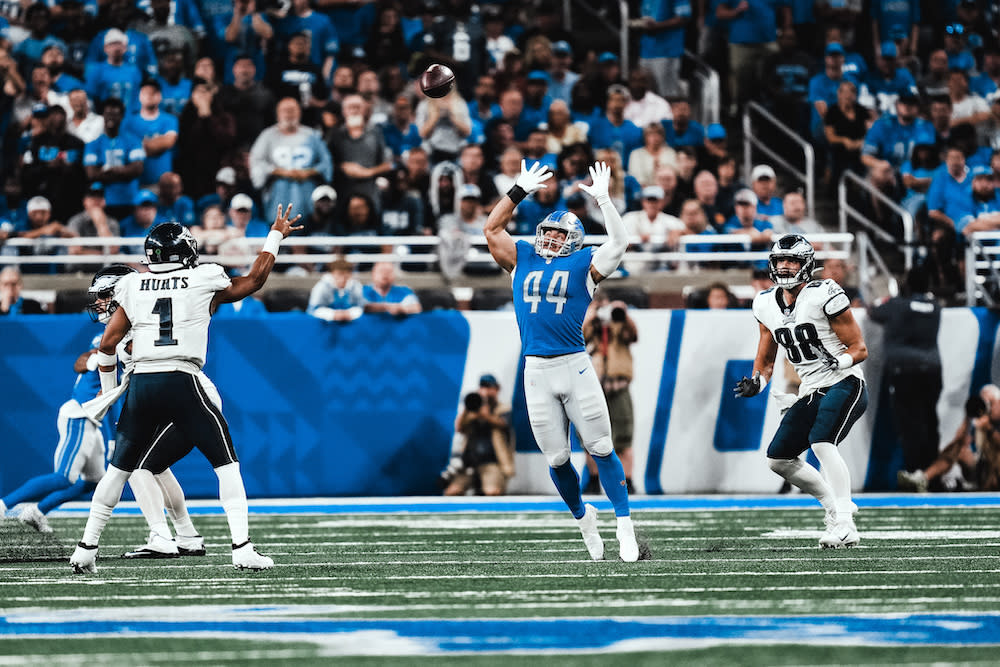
(740, 424)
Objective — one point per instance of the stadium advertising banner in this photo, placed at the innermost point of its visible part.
(368, 407)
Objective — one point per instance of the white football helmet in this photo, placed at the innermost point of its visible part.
(794, 247)
(102, 290)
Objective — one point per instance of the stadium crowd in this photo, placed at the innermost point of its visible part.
(117, 115)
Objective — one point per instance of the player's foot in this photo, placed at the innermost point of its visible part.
(245, 557)
(840, 532)
(628, 548)
(84, 559)
(912, 481)
(191, 546)
(591, 536)
(30, 515)
(157, 546)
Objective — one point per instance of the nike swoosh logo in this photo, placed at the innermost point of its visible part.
(583, 371)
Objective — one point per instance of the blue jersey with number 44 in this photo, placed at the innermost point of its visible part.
(551, 297)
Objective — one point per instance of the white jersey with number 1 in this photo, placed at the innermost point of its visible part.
(170, 315)
(804, 330)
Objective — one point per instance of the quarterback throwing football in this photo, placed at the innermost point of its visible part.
(554, 281)
(812, 321)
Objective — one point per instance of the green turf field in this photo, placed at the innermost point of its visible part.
(724, 587)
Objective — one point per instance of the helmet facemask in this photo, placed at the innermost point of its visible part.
(562, 221)
(795, 248)
(102, 292)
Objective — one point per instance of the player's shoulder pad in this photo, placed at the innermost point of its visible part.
(835, 300)
(818, 283)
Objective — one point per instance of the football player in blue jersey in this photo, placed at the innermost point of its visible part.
(554, 281)
(812, 321)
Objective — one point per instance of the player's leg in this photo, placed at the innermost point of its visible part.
(72, 433)
(543, 381)
(86, 471)
(160, 543)
(189, 542)
(587, 409)
(840, 407)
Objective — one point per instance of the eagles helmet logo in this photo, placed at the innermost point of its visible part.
(170, 246)
(102, 291)
(794, 247)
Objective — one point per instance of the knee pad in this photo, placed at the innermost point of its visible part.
(602, 447)
(784, 467)
(558, 458)
(109, 489)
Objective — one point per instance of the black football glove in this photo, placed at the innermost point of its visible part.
(748, 387)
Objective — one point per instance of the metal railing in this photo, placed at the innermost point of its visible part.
(751, 142)
(982, 268)
(705, 91)
(846, 211)
(870, 265)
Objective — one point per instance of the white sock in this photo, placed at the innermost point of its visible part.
(106, 496)
(806, 478)
(234, 501)
(150, 500)
(839, 477)
(624, 522)
(173, 497)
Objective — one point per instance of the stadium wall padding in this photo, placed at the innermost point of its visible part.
(367, 408)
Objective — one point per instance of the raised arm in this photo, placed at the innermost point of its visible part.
(244, 286)
(609, 256)
(500, 243)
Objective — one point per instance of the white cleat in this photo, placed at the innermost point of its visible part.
(191, 546)
(30, 515)
(84, 559)
(840, 533)
(157, 546)
(628, 548)
(245, 557)
(591, 536)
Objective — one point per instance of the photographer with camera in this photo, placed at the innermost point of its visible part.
(609, 332)
(486, 458)
(975, 447)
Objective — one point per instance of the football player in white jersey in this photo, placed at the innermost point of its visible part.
(554, 281)
(168, 311)
(812, 321)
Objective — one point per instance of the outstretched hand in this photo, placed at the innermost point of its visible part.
(283, 224)
(600, 176)
(748, 387)
(532, 179)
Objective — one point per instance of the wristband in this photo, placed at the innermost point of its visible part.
(844, 361)
(274, 238)
(92, 362)
(517, 194)
(106, 359)
(109, 380)
(603, 199)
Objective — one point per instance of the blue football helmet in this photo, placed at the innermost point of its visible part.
(563, 221)
(794, 247)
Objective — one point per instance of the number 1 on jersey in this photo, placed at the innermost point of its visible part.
(164, 307)
(556, 292)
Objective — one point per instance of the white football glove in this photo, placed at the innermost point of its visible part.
(600, 175)
(532, 179)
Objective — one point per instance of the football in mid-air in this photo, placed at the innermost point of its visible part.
(437, 80)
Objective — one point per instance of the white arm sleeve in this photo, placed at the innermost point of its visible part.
(609, 255)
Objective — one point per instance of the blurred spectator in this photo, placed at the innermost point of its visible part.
(935, 82)
(302, 20)
(713, 149)
(37, 19)
(562, 132)
(661, 44)
(39, 224)
(138, 51)
(116, 158)
(988, 81)
(53, 166)
(296, 76)
(248, 35)
(612, 130)
(114, 77)
(965, 107)
(444, 125)
(656, 230)
(896, 22)
(534, 208)
(885, 82)
(288, 160)
(510, 169)
(343, 84)
(378, 109)
(624, 189)
(511, 111)
(839, 271)
(535, 151)
(499, 137)
(359, 152)
(225, 189)
(764, 183)
(645, 160)
(752, 34)
(680, 130)
(169, 28)
(940, 118)
(785, 81)
(174, 85)
(93, 221)
(402, 209)
(666, 178)
(213, 231)
(882, 178)
(793, 220)
(729, 185)
(472, 171)
(985, 204)
(609, 333)
(443, 191)
(144, 216)
(173, 204)
(156, 129)
(386, 46)
(845, 14)
(484, 443)
(645, 106)
(912, 371)
(536, 98)
(456, 231)
(337, 297)
(696, 223)
(576, 204)
(249, 102)
(975, 447)
(206, 136)
(11, 301)
(54, 60)
(561, 76)
(323, 219)
(823, 89)
(573, 167)
(719, 297)
(483, 105)
(846, 124)
(890, 138)
(687, 163)
(956, 47)
(706, 192)
(947, 199)
(360, 220)
(400, 132)
(385, 296)
(84, 124)
(917, 172)
(242, 219)
(38, 94)
(747, 221)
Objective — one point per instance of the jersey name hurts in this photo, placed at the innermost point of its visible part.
(156, 284)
